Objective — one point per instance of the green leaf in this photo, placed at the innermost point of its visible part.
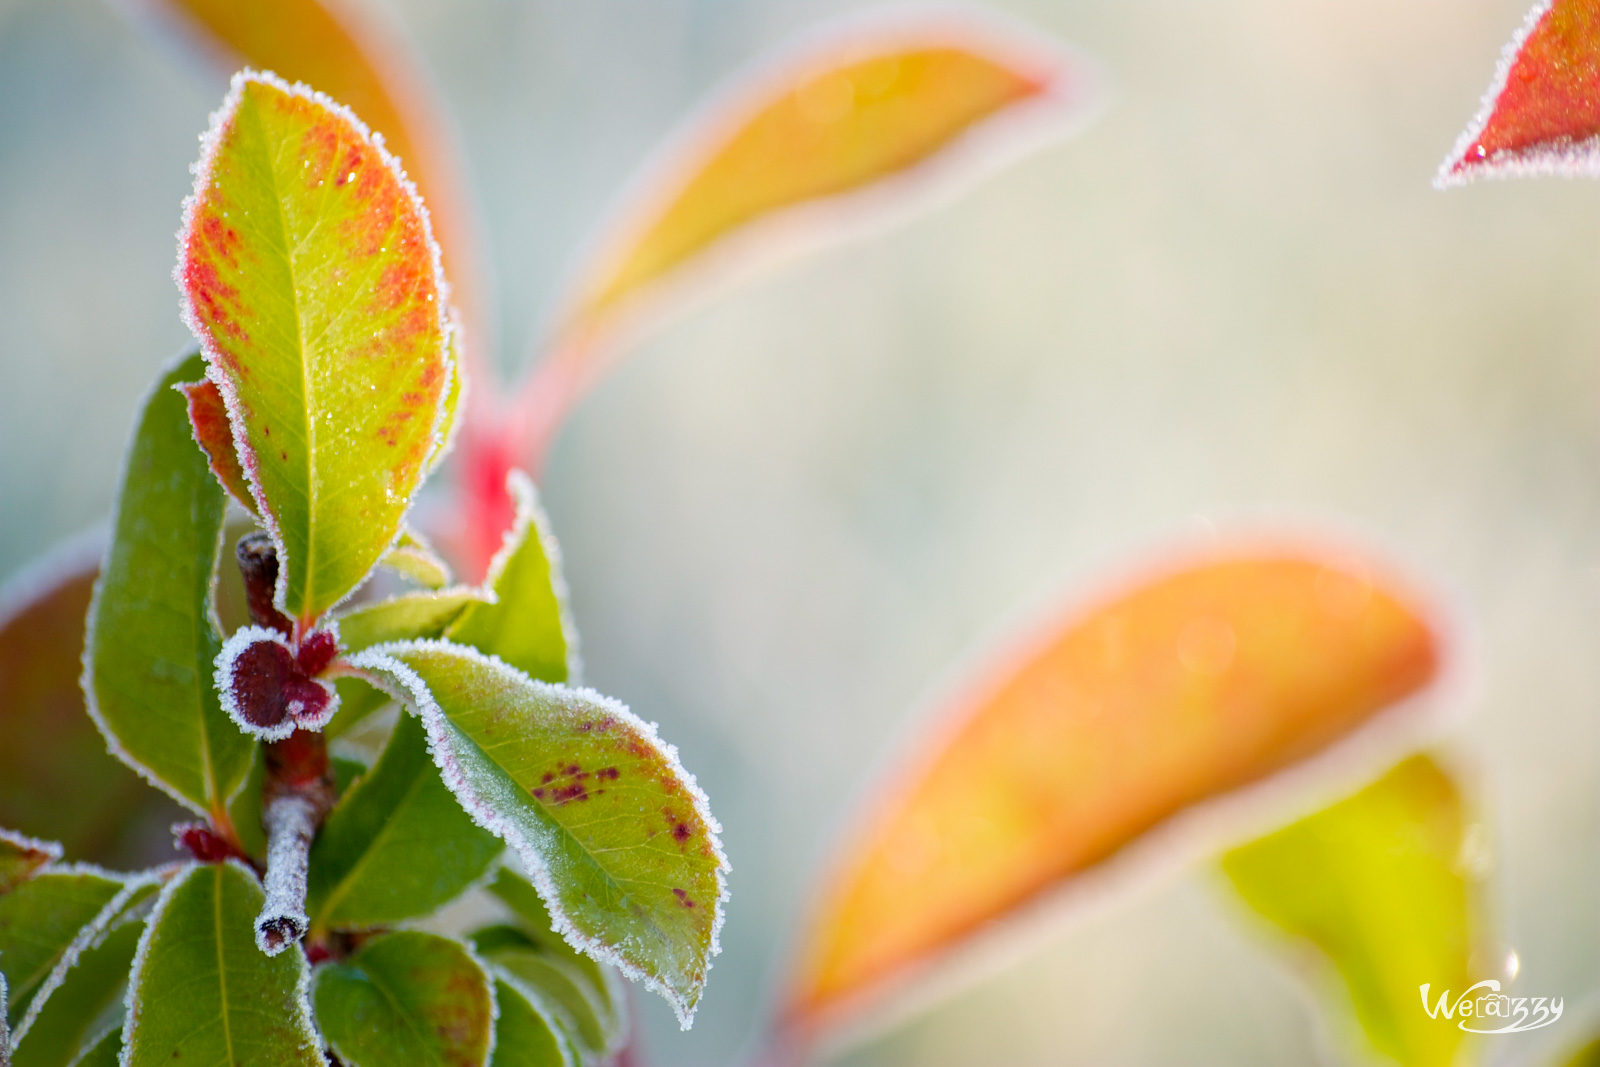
(563, 996)
(527, 624)
(1376, 883)
(519, 895)
(21, 856)
(310, 276)
(408, 998)
(524, 1035)
(404, 617)
(40, 920)
(617, 835)
(413, 557)
(151, 644)
(88, 1003)
(107, 1052)
(201, 989)
(397, 846)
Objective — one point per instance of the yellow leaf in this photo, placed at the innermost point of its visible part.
(1181, 689)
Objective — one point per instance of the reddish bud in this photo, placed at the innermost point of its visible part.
(317, 650)
(203, 843)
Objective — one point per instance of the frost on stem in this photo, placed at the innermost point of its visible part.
(297, 793)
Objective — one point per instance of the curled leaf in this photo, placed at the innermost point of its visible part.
(310, 277)
(1182, 688)
(208, 417)
(1541, 114)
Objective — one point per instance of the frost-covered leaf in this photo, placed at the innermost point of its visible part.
(527, 624)
(402, 618)
(616, 833)
(1182, 688)
(87, 1004)
(21, 856)
(868, 112)
(408, 998)
(600, 987)
(1377, 885)
(208, 419)
(397, 845)
(342, 50)
(524, 1034)
(1541, 114)
(39, 921)
(266, 687)
(202, 992)
(414, 558)
(310, 277)
(148, 663)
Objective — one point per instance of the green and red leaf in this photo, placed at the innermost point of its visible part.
(310, 277)
(208, 418)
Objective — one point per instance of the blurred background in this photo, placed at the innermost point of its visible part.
(795, 512)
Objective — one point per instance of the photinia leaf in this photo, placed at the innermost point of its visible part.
(1182, 688)
(21, 856)
(107, 1052)
(208, 418)
(332, 46)
(524, 1035)
(397, 845)
(1541, 114)
(408, 997)
(40, 920)
(151, 642)
(616, 834)
(854, 111)
(202, 992)
(527, 624)
(53, 748)
(412, 557)
(310, 277)
(86, 1003)
(538, 931)
(563, 994)
(401, 618)
(1376, 884)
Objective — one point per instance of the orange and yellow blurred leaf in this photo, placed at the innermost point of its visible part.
(1180, 689)
(1383, 884)
(862, 108)
(330, 46)
(1541, 114)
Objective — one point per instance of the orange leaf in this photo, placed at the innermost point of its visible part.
(208, 418)
(1542, 113)
(328, 46)
(860, 108)
(1181, 689)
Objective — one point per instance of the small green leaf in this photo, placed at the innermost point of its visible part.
(617, 834)
(107, 1052)
(527, 625)
(563, 995)
(524, 1035)
(202, 991)
(519, 895)
(151, 643)
(20, 856)
(409, 998)
(404, 617)
(1377, 883)
(88, 1003)
(40, 920)
(397, 846)
(310, 277)
(414, 558)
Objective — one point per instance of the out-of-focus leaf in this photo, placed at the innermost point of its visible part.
(334, 47)
(1184, 687)
(39, 920)
(564, 994)
(858, 109)
(1588, 1055)
(311, 280)
(208, 418)
(88, 1004)
(56, 779)
(1377, 883)
(524, 1034)
(408, 997)
(1541, 114)
(617, 833)
(526, 625)
(21, 856)
(147, 669)
(107, 1052)
(204, 993)
(601, 986)
(397, 846)
(412, 557)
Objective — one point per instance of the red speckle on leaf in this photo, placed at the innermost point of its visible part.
(683, 898)
(608, 773)
(538, 794)
(568, 793)
(548, 777)
(681, 833)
